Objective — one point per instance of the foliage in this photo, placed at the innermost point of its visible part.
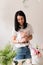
(7, 55)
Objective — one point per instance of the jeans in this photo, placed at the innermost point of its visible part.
(23, 53)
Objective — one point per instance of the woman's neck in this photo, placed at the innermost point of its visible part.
(21, 26)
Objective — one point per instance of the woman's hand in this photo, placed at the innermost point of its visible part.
(14, 40)
(24, 40)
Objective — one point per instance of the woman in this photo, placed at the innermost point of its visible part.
(22, 34)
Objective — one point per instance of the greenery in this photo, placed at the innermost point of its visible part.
(7, 55)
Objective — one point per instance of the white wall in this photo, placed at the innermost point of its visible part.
(34, 13)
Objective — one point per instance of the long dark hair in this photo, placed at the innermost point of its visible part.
(17, 25)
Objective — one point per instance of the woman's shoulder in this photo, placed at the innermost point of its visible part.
(29, 25)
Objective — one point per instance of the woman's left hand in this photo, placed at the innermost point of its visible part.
(24, 40)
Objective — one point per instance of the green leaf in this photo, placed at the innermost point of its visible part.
(7, 55)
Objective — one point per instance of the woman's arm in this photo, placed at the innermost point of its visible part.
(26, 38)
(14, 39)
(30, 37)
(23, 40)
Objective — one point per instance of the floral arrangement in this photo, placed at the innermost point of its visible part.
(36, 51)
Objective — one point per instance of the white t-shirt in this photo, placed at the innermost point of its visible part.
(29, 31)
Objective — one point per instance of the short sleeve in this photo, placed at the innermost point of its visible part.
(14, 32)
(30, 29)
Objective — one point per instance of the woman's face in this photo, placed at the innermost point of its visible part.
(20, 19)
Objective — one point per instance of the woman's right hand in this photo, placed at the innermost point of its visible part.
(14, 39)
(23, 40)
